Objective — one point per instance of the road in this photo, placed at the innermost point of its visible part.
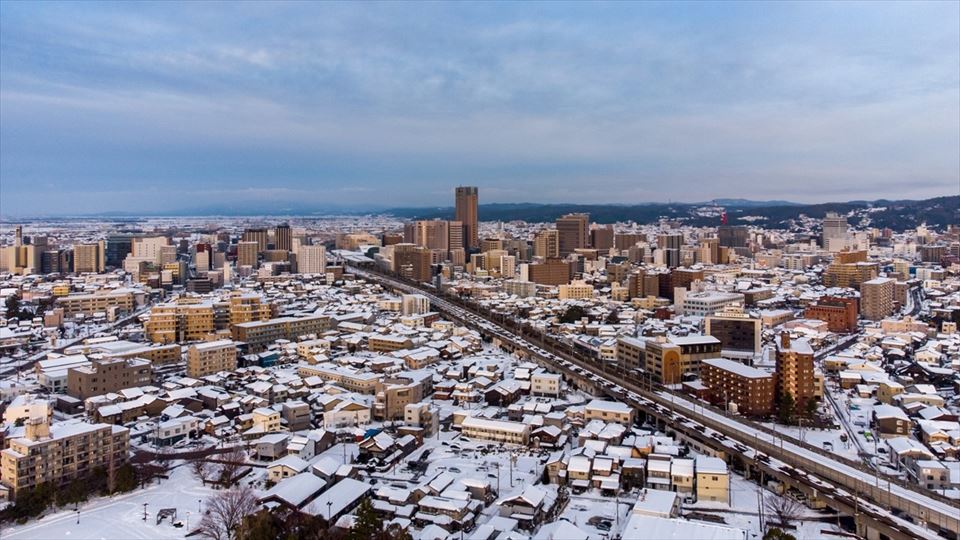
(798, 458)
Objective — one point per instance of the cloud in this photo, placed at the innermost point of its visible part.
(398, 103)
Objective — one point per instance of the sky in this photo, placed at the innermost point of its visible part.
(140, 107)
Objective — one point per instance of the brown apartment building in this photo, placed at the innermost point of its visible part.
(795, 373)
(108, 375)
(551, 272)
(731, 382)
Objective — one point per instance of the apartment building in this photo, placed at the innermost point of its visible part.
(211, 357)
(631, 352)
(61, 452)
(388, 343)
(248, 307)
(730, 382)
(362, 382)
(89, 258)
(393, 394)
(795, 371)
(876, 297)
(258, 334)
(99, 302)
(184, 319)
(496, 430)
(108, 375)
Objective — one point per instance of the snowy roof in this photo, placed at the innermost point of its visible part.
(663, 528)
(296, 490)
(343, 494)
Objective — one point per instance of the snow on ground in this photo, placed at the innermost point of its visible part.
(593, 513)
(121, 517)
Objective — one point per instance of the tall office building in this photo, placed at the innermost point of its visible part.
(574, 232)
(312, 259)
(467, 199)
(455, 232)
(247, 253)
(259, 236)
(282, 238)
(834, 228)
(546, 244)
(89, 258)
(671, 244)
(431, 234)
(118, 247)
(601, 238)
(735, 236)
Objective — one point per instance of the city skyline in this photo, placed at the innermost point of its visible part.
(160, 109)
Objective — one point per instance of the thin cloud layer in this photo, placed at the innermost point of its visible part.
(393, 104)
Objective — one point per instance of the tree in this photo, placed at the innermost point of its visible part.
(199, 467)
(230, 465)
(785, 411)
(368, 524)
(787, 509)
(225, 513)
(125, 479)
(573, 314)
(13, 306)
(613, 317)
(811, 407)
(778, 534)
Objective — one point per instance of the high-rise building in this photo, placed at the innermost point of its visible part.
(412, 261)
(601, 238)
(312, 259)
(573, 233)
(89, 258)
(733, 236)
(834, 228)
(247, 253)
(467, 199)
(671, 244)
(795, 372)
(260, 236)
(876, 296)
(118, 247)
(282, 238)
(546, 244)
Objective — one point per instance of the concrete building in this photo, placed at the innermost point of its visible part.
(573, 232)
(795, 370)
(108, 375)
(546, 244)
(184, 319)
(839, 313)
(311, 259)
(732, 383)
(876, 297)
(496, 430)
(466, 212)
(211, 357)
(669, 360)
(247, 254)
(59, 453)
(89, 258)
(258, 334)
(123, 300)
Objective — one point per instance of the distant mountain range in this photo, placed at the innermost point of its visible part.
(898, 215)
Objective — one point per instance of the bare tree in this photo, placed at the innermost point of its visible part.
(225, 512)
(785, 508)
(201, 469)
(231, 463)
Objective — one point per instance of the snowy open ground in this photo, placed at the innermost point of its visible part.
(121, 517)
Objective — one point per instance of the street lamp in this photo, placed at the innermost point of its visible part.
(145, 512)
(329, 504)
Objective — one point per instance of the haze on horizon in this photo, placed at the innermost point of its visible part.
(163, 107)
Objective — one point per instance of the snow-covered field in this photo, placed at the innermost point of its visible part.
(121, 517)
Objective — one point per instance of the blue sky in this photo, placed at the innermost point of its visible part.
(155, 107)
